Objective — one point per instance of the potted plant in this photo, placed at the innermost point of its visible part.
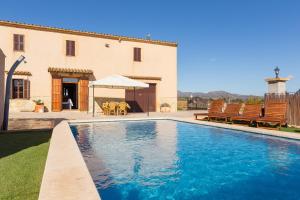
(165, 107)
(39, 106)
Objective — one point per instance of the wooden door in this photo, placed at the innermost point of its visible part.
(56, 94)
(83, 94)
(141, 98)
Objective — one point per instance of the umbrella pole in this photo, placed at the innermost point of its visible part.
(148, 105)
(134, 100)
(93, 101)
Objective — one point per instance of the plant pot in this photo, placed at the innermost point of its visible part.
(39, 108)
(165, 109)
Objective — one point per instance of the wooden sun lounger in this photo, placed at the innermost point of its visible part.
(275, 113)
(200, 114)
(231, 110)
(250, 114)
(215, 108)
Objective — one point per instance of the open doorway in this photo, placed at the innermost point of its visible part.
(70, 94)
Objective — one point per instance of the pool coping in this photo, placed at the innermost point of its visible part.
(66, 175)
(274, 133)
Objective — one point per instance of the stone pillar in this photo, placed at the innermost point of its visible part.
(2, 80)
(276, 85)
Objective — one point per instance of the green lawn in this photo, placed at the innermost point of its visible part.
(290, 129)
(22, 162)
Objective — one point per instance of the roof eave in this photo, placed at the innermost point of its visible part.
(84, 33)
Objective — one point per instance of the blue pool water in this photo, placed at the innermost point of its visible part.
(166, 159)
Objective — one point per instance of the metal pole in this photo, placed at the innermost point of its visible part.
(7, 91)
(134, 100)
(148, 105)
(93, 101)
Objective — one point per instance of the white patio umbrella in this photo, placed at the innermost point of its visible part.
(116, 82)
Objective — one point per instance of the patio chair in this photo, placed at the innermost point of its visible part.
(122, 108)
(275, 113)
(112, 108)
(216, 106)
(231, 110)
(250, 113)
(105, 108)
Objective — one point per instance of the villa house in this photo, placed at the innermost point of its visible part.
(61, 62)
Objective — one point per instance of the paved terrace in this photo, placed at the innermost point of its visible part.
(31, 120)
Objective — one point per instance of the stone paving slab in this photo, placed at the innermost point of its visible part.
(31, 120)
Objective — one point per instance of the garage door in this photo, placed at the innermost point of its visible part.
(140, 99)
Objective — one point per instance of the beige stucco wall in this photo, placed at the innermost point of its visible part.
(47, 49)
(2, 77)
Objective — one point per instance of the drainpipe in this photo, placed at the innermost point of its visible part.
(8, 91)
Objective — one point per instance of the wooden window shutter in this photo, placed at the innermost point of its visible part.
(15, 42)
(26, 89)
(139, 54)
(73, 48)
(18, 42)
(136, 54)
(70, 48)
(21, 42)
(67, 48)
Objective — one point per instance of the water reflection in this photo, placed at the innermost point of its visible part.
(141, 131)
(120, 152)
(173, 160)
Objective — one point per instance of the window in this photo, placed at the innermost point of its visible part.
(18, 42)
(20, 89)
(137, 54)
(70, 80)
(70, 48)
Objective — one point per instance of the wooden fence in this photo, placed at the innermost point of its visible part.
(293, 111)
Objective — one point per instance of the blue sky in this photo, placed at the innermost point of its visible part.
(227, 45)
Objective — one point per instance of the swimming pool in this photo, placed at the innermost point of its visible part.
(166, 159)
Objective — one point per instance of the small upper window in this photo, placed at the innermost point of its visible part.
(70, 48)
(137, 54)
(18, 42)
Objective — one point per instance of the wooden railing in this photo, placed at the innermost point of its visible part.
(293, 110)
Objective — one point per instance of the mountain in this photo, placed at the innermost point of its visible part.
(214, 95)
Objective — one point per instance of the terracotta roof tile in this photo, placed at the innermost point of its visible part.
(85, 33)
(144, 77)
(22, 73)
(69, 70)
